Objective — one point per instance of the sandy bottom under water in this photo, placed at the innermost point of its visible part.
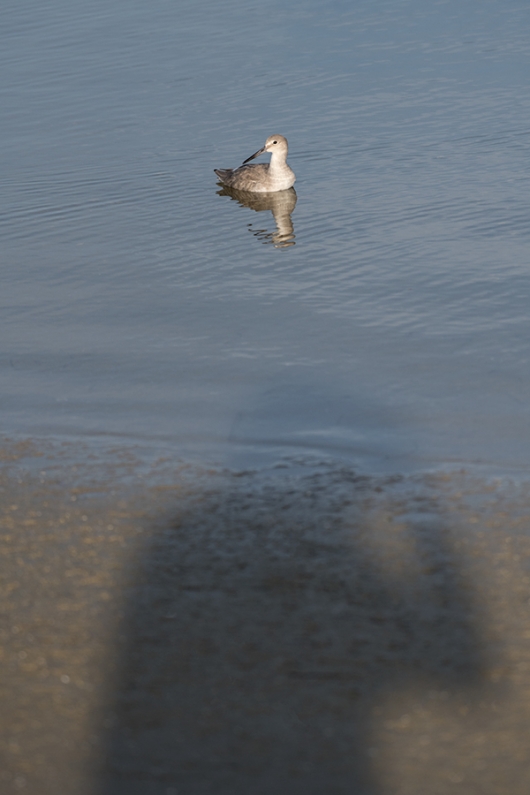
(168, 630)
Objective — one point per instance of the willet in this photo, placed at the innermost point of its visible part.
(263, 177)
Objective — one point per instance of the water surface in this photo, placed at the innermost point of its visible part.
(137, 303)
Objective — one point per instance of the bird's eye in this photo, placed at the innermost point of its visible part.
(275, 142)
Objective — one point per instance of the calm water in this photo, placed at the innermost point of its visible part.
(139, 304)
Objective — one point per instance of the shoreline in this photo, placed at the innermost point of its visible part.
(191, 630)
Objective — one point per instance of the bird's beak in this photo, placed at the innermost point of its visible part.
(256, 154)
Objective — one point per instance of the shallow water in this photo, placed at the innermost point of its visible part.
(165, 324)
(137, 303)
(299, 630)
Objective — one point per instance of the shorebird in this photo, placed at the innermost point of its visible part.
(261, 177)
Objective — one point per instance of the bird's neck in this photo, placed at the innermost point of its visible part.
(277, 161)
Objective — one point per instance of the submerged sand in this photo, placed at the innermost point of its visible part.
(167, 629)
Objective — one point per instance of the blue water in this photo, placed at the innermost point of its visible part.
(138, 304)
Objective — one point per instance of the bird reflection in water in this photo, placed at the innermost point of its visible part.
(281, 204)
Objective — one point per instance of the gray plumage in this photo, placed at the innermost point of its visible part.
(262, 177)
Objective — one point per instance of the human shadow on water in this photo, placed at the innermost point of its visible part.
(281, 204)
(268, 621)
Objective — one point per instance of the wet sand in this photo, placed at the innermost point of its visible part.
(168, 629)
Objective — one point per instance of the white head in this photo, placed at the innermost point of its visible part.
(276, 143)
(273, 144)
